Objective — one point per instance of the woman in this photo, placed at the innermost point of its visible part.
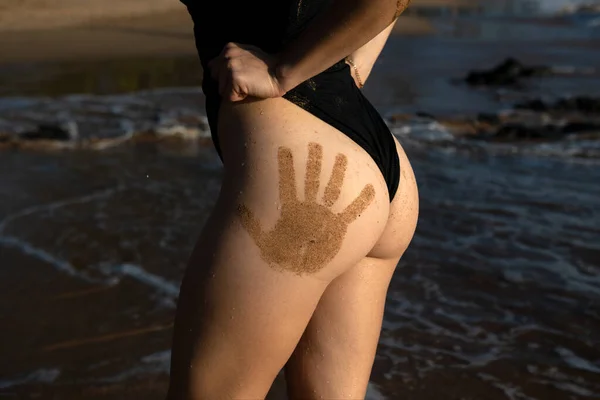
(318, 203)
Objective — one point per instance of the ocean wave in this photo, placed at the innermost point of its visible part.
(100, 122)
(43, 375)
(424, 131)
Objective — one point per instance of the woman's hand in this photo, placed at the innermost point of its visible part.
(245, 71)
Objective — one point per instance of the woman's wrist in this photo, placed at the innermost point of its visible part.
(334, 32)
(338, 31)
(287, 77)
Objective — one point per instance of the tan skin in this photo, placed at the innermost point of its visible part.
(268, 286)
(308, 234)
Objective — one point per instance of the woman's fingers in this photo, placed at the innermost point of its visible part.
(242, 71)
(231, 81)
(237, 95)
(229, 86)
(229, 93)
(222, 69)
(235, 92)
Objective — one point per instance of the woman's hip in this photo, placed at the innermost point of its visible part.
(306, 192)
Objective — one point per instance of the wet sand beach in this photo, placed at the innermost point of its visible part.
(498, 296)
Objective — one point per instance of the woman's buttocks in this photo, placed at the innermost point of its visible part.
(279, 122)
(341, 175)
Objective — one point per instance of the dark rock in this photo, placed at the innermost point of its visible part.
(4, 137)
(520, 132)
(533, 105)
(423, 114)
(580, 127)
(47, 132)
(509, 72)
(487, 118)
(526, 117)
(583, 104)
(6, 140)
(396, 118)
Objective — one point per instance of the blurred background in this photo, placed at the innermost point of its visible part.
(107, 176)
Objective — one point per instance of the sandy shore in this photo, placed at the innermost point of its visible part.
(162, 33)
(22, 15)
(69, 30)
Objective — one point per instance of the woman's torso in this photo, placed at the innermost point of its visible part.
(268, 24)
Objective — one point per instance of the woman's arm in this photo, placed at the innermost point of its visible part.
(340, 30)
(363, 59)
(247, 71)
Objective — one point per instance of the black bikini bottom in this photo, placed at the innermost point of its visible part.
(333, 97)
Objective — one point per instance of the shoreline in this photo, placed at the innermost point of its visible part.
(167, 33)
(31, 15)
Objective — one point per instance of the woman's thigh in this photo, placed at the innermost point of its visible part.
(335, 354)
(334, 357)
(300, 205)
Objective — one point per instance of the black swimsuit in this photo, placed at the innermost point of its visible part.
(331, 96)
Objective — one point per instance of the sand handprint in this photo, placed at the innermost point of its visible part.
(308, 234)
